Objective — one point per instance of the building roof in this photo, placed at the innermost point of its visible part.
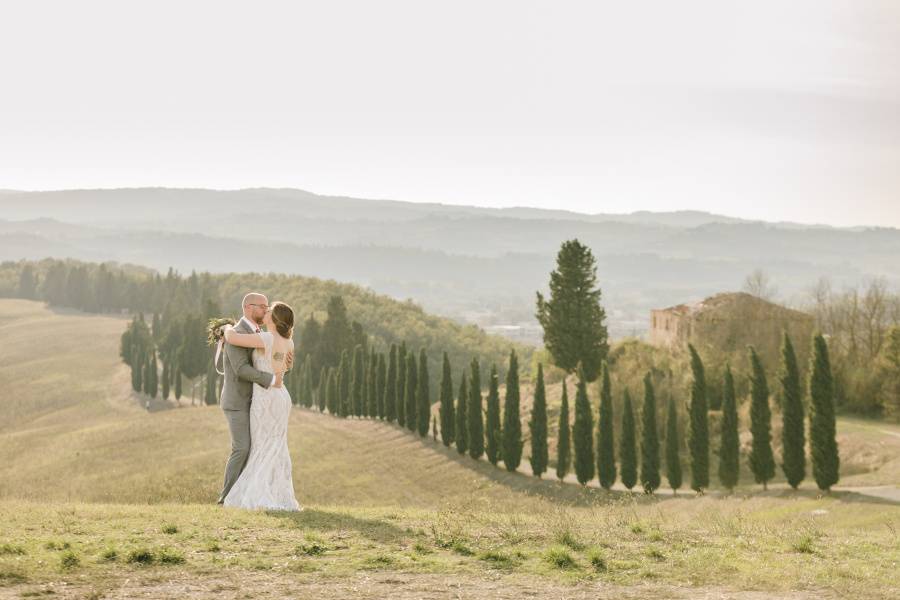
(723, 299)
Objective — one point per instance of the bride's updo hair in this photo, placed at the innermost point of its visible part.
(283, 317)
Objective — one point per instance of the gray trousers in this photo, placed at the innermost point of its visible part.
(239, 424)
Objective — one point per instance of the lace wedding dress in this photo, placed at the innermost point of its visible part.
(266, 481)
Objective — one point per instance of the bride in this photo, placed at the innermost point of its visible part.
(266, 481)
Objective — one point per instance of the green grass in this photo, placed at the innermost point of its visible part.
(759, 543)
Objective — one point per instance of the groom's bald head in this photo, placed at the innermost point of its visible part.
(255, 305)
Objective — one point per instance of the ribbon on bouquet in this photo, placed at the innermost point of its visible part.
(218, 354)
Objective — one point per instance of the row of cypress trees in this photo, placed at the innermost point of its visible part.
(395, 389)
(177, 343)
(820, 404)
(595, 449)
(367, 384)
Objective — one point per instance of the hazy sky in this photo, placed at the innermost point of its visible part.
(779, 110)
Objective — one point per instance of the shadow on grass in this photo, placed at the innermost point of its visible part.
(591, 495)
(849, 496)
(574, 494)
(548, 489)
(377, 530)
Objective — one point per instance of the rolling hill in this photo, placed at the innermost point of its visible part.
(100, 498)
(473, 264)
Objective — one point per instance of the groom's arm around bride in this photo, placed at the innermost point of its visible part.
(237, 392)
(241, 360)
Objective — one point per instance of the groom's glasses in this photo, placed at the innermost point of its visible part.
(264, 306)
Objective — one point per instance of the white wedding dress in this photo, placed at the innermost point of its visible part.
(267, 480)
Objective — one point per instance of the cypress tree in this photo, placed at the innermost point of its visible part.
(357, 382)
(299, 375)
(322, 391)
(729, 451)
(762, 462)
(401, 384)
(176, 376)
(573, 319)
(793, 439)
(462, 423)
(290, 383)
(698, 434)
(154, 375)
(563, 443)
(474, 412)
(28, 283)
(423, 395)
(583, 432)
(537, 426)
(345, 400)
(380, 383)
(308, 392)
(649, 439)
(512, 421)
(137, 375)
(409, 391)
(156, 328)
(446, 411)
(300, 381)
(166, 377)
(826, 461)
(606, 453)
(145, 378)
(332, 394)
(364, 395)
(628, 444)
(673, 459)
(371, 386)
(390, 387)
(492, 431)
(194, 355)
(128, 343)
(434, 429)
(293, 383)
(336, 335)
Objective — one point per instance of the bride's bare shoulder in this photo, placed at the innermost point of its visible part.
(281, 347)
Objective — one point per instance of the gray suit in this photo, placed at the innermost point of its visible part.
(237, 392)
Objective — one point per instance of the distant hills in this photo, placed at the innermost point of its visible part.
(471, 263)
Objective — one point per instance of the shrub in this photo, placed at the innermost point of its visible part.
(167, 556)
(69, 560)
(109, 555)
(140, 556)
(598, 561)
(11, 549)
(559, 557)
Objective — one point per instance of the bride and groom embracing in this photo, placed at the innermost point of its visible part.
(258, 406)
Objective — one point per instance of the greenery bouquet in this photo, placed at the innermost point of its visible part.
(215, 329)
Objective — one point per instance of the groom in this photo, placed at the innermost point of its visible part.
(237, 388)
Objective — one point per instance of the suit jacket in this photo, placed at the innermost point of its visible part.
(240, 375)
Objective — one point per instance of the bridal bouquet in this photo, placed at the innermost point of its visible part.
(215, 336)
(215, 329)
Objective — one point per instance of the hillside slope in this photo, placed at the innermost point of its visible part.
(102, 499)
(475, 264)
(77, 432)
(74, 430)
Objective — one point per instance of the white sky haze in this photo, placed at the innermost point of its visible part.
(767, 110)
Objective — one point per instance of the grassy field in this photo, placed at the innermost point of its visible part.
(100, 498)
